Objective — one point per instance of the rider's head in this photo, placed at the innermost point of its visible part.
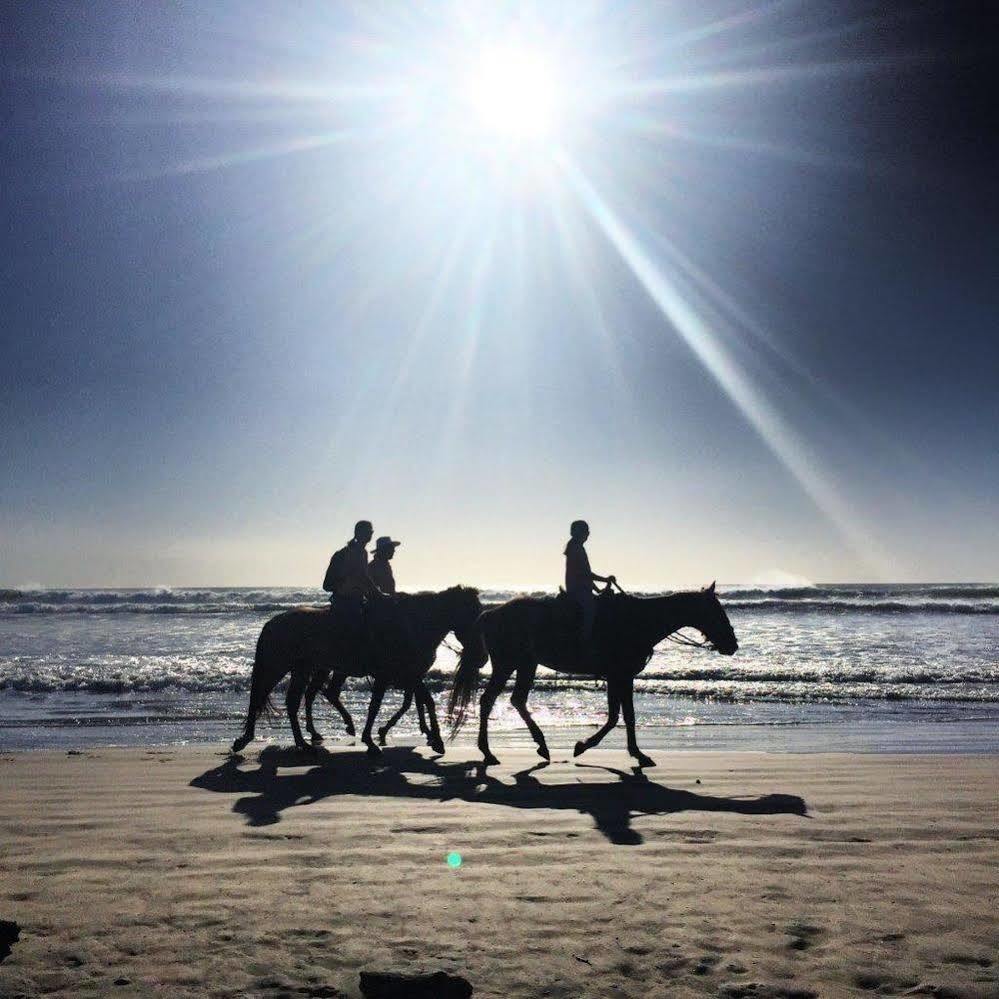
(579, 530)
(363, 531)
(385, 547)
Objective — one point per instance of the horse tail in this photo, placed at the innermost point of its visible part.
(466, 679)
(263, 680)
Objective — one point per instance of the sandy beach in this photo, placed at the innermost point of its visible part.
(183, 872)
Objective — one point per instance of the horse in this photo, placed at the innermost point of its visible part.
(396, 647)
(526, 632)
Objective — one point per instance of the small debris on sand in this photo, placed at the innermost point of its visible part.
(9, 933)
(390, 985)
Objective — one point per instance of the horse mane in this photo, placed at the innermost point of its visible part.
(460, 589)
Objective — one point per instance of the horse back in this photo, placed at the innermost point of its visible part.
(294, 631)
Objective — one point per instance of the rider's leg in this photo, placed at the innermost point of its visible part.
(521, 690)
(613, 710)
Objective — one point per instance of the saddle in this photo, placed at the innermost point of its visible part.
(566, 620)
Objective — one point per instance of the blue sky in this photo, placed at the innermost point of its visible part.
(737, 308)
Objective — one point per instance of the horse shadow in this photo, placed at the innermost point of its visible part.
(267, 793)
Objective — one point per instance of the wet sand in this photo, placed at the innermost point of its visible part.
(181, 872)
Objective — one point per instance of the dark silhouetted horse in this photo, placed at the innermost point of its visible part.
(396, 647)
(527, 632)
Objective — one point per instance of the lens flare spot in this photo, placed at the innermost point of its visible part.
(453, 860)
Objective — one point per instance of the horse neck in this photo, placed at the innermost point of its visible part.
(661, 616)
(435, 619)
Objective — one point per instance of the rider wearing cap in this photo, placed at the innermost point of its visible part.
(579, 577)
(380, 568)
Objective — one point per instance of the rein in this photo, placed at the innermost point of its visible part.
(678, 638)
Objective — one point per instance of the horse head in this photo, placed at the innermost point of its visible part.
(464, 608)
(712, 621)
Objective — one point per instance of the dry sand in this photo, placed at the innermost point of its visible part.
(177, 872)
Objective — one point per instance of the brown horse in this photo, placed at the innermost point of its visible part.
(527, 632)
(396, 647)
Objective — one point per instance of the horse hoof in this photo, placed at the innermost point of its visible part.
(381, 736)
(316, 737)
(373, 750)
(239, 745)
(579, 749)
(489, 760)
(437, 745)
(644, 761)
(350, 731)
(544, 754)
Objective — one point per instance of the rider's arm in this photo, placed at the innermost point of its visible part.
(602, 579)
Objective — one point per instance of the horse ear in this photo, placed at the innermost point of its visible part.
(711, 588)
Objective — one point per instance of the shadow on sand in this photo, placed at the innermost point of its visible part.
(611, 804)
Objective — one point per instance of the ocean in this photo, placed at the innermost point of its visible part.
(853, 667)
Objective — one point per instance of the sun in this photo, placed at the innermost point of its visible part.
(514, 93)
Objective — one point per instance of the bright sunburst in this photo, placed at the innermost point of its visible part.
(472, 124)
(514, 92)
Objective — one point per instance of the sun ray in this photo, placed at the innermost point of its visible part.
(207, 164)
(787, 445)
(767, 75)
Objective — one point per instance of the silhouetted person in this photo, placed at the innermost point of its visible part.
(347, 576)
(580, 579)
(380, 567)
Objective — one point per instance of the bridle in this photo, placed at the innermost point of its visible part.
(678, 638)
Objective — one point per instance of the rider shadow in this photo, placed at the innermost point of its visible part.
(611, 805)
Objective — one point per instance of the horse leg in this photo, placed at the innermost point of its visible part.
(315, 684)
(268, 671)
(628, 709)
(493, 689)
(433, 733)
(332, 694)
(292, 701)
(422, 716)
(613, 710)
(407, 700)
(521, 690)
(377, 693)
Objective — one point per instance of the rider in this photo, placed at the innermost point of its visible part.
(580, 578)
(380, 568)
(347, 576)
